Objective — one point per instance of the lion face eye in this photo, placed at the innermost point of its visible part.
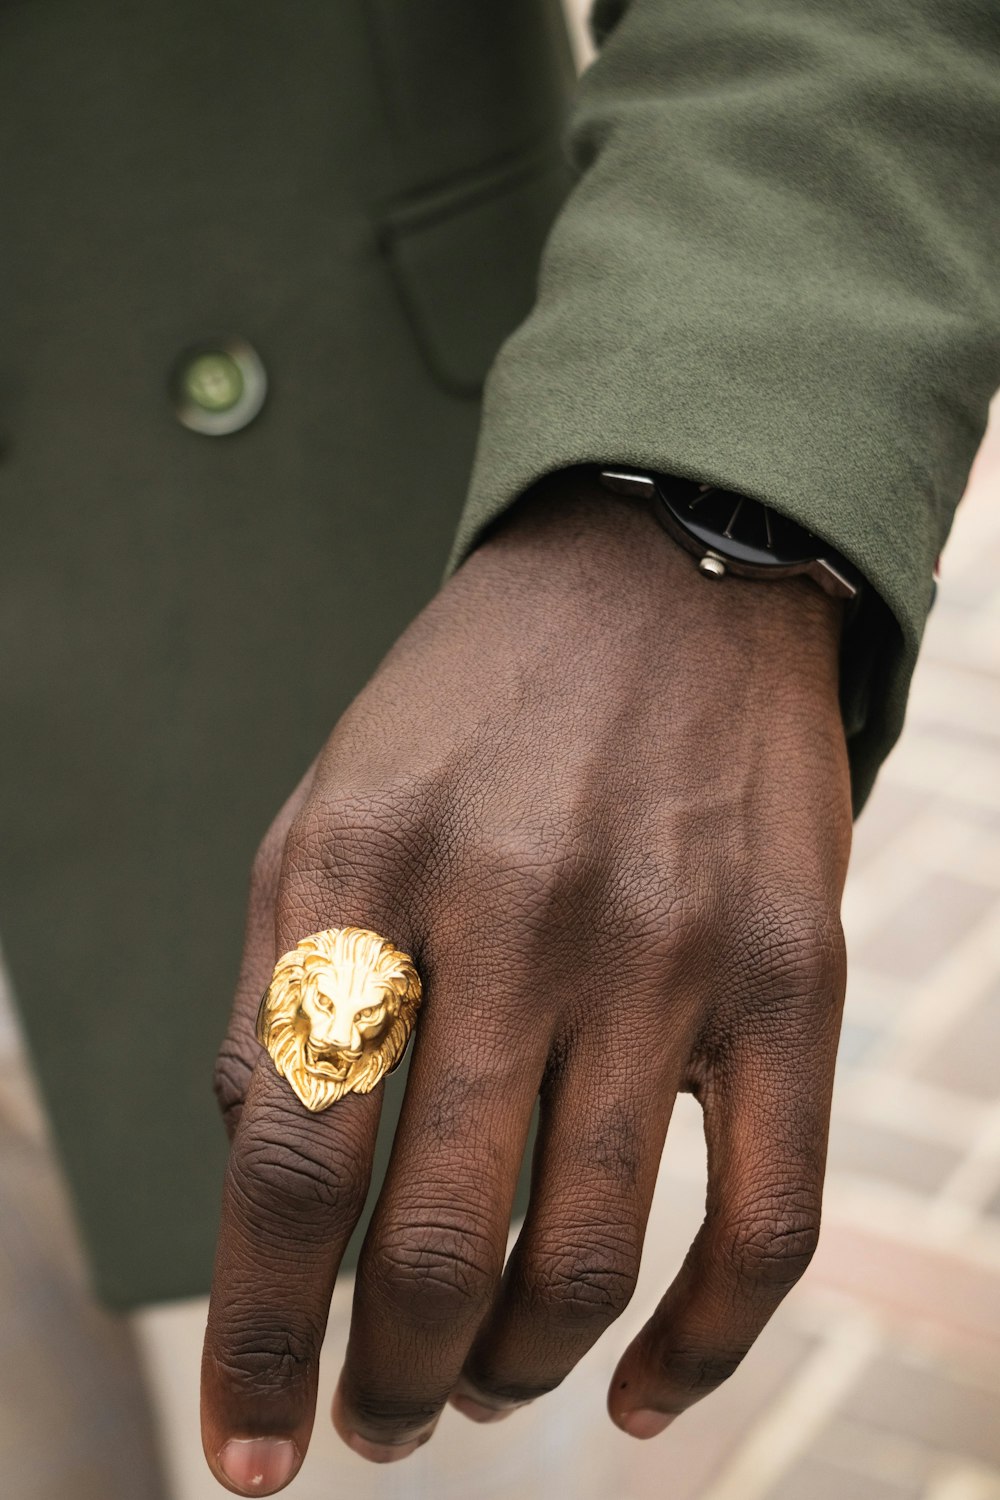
(369, 1013)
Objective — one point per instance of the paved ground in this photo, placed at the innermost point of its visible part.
(73, 1420)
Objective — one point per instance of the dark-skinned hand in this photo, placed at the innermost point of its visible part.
(604, 803)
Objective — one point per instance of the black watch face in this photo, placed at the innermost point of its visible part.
(744, 530)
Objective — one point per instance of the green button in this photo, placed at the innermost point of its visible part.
(218, 386)
(213, 382)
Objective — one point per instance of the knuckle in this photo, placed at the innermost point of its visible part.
(797, 944)
(534, 869)
(260, 1359)
(351, 830)
(430, 1271)
(230, 1080)
(514, 1392)
(695, 1372)
(773, 1247)
(284, 1175)
(587, 1284)
(366, 843)
(667, 914)
(379, 1413)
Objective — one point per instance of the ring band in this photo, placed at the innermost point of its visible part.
(338, 1013)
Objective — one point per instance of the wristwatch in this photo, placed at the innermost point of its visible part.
(730, 533)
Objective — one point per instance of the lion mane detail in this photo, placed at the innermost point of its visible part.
(284, 1030)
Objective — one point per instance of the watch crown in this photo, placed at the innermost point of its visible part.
(711, 567)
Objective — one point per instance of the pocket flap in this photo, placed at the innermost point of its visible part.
(466, 262)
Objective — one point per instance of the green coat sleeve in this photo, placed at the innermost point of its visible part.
(777, 271)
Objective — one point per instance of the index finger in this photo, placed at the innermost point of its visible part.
(295, 1186)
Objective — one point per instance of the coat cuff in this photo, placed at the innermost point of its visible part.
(775, 273)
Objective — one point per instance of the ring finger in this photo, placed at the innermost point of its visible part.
(575, 1265)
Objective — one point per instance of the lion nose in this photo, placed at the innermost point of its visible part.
(346, 1036)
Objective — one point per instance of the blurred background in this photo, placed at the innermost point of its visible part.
(880, 1377)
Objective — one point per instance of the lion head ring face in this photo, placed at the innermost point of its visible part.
(338, 1013)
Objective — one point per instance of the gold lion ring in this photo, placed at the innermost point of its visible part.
(338, 1013)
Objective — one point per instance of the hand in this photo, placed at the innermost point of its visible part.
(604, 803)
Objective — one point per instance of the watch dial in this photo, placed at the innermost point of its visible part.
(737, 527)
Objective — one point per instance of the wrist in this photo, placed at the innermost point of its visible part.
(569, 534)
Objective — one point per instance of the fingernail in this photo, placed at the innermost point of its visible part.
(477, 1411)
(385, 1453)
(646, 1423)
(259, 1466)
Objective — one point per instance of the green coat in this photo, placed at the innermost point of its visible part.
(776, 271)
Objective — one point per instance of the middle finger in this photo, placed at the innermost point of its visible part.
(434, 1252)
